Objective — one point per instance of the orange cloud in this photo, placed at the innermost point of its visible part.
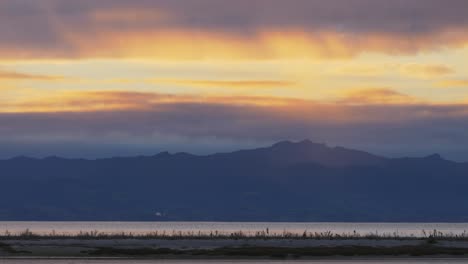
(90, 101)
(359, 107)
(234, 30)
(7, 75)
(280, 43)
(226, 83)
(453, 83)
(376, 96)
(427, 70)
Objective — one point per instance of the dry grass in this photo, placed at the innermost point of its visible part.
(431, 236)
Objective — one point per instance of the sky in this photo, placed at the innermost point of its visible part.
(105, 78)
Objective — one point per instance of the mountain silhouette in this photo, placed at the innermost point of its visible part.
(289, 181)
(288, 153)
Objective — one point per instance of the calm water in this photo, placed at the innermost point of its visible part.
(398, 261)
(402, 229)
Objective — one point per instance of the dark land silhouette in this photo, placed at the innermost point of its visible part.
(288, 181)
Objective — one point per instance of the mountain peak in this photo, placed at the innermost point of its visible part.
(162, 154)
(52, 158)
(435, 156)
(282, 143)
(306, 151)
(305, 142)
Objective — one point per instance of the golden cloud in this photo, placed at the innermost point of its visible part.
(453, 83)
(376, 96)
(360, 107)
(281, 43)
(427, 70)
(226, 83)
(8, 75)
(90, 101)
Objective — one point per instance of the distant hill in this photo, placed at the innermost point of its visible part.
(288, 181)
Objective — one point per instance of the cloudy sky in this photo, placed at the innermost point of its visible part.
(125, 77)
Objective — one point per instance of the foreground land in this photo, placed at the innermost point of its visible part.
(228, 248)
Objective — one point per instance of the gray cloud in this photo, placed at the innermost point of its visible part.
(203, 128)
(46, 25)
(411, 16)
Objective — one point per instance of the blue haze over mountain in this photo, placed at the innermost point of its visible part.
(288, 181)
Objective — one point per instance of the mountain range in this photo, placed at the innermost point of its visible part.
(289, 181)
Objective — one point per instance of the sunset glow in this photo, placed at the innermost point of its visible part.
(322, 65)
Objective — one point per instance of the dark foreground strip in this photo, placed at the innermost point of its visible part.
(8, 249)
(281, 252)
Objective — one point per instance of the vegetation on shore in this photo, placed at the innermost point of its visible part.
(430, 236)
(425, 245)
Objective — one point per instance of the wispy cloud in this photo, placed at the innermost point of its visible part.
(377, 96)
(454, 83)
(212, 45)
(127, 70)
(427, 70)
(226, 83)
(142, 119)
(12, 75)
(207, 29)
(108, 101)
(92, 101)
(129, 16)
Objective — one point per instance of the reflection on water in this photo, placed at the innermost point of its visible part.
(127, 261)
(401, 229)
